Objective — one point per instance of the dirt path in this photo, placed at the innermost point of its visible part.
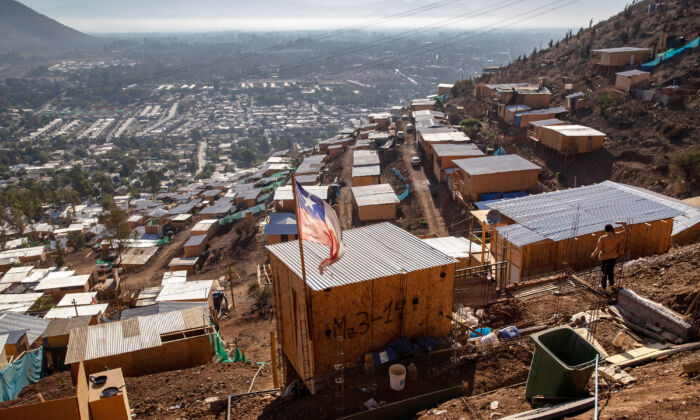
(421, 187)
(151, 273)
(345, 198)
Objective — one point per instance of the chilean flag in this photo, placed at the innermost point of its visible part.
(319, 223)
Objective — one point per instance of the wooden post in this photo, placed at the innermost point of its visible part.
(301, 242)
(230, 286)
(483, 242)
(273, 355)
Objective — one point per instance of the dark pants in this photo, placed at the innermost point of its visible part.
(608, 269)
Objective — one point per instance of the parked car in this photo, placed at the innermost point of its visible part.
(415, 161)
(399, 136)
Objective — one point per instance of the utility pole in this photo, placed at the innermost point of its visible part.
(230, 285)
(75, 305)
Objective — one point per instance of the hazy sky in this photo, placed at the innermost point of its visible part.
(114, 16)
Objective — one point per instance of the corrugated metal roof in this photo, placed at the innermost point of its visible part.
(372, 252)
(456, 149)
(446, 136)
(160, 307)
(364, 158)
(574, 130)
(196, 240)
(23, 252)
(281, 224)
(630, 73)
(112, 338)
(63, 326)
(85, 298)
(204, 224)
(16, 274)
(18, 303)
(3, 340)
(551, 121)
(552, 215)
(35, 326)
(372, 195)
(369, 170)
(69, 311)
(56, 283)
(284, 192)
(455, 247)
(189, 290)
(495, 164)
(620, 49)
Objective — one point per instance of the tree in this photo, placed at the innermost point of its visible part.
(117, 229)
(60, 258)
(76, 240)
(16, 220)
(261, 296)
(470, 126)
(152, 181)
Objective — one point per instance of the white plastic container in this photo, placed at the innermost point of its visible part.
(397, 376)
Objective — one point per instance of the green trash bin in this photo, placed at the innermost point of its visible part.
(562, 364)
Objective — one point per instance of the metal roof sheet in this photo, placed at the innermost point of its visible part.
(364, 158)
(446, 136)
(70, 311)
(62, 282)
(204, 224)
(142, 332)
(630, 73)
(495, 164)
(85, 298)
(285, 193)
(551, 121)
(620, 49)
(159, 307)
(574, 130)
(373, 251)
(372, 195)
(196, 240)
(281, 224)
(369, 170)
(12, 322)
(189, 290)
(456, 149)
(22, 252)
(16, 274)
(63, 326)
(552, 215)
(183, 261)
(455, 247)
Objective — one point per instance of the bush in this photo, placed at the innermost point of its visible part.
(605, 101)
(470, 126)
(685, 165)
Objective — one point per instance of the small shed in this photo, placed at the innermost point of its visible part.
(205, 227)
(195, 245)
(389, 284)
(188, 264)
(447, 153)
(571, 139)
(143, 345)
(59, 286)
(445, 88)
(174, 277)
(55, 338)
(422, 104)
(524, 118)
(282, 227)
(284, 195)
(632, 79)
(575, 101)
(179, 221)
(375, 202)
(493, 174)
(13, 343)
(365, 158)
(621, 56)
(365, 175)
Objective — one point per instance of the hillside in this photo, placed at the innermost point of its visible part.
(649, 145)
(22, 29)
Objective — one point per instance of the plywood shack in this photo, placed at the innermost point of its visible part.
(281, 227)
(632, 79)
(389, 284)
(558, 230)
(375, 202)
(621, 56)
(144, 344)
(207, 227)
(446, 154)
(365, 175)
(493, 174)
(284, 197)
(571, 139)
(195, 245)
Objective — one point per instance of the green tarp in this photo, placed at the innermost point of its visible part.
(20, 373)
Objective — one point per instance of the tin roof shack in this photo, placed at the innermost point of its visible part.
(189, 291)
(34, 326)
(632, 79)
(570, 140)
(55, 338)
(144, 344)
(194, 246)
(282, 227)
(285, 197)
(206, 227)
(445, 88)
(95, 311)
(365, 175)
(24, 255)
(575, 101)
(178, 222)
(381, 119)
(549, 229)
(389, 284)
(466, 252)
(188, 264)
(493, 174)
(18, 302)
(365, 158)
(522, 119)
(14, 343)
(375, 202)
(59, 286)
(533, 96)
(427, 137)
(621, 56)
(422, 105)
(446, 154)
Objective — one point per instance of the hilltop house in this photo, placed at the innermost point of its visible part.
(476, 177)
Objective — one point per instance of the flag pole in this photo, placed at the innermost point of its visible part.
(301, 244)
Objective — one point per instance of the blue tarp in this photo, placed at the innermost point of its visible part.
(670, 54)
(14, 378)
(501, 151)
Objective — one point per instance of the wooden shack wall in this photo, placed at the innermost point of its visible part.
(501, 182)
(61, 409)
(570, 144)
(687, 237)
(534, 100)
(622, 58)
(377, 212)
(195, 250)
(361, 181)
(209, 232)
(171, 355)
(290, 295)
(371, 314)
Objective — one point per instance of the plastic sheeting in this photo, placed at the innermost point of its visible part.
(20, 373)
(670, 54)
(218, 346)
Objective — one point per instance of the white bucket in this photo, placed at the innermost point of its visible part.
(397, 376)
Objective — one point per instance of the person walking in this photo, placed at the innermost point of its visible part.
(608, 249)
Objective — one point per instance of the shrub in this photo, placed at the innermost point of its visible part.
(605, 101)
(470, 126)
(685, 165)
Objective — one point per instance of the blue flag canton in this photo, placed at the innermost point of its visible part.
(310, 203)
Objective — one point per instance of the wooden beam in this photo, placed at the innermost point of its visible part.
(554, 412)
